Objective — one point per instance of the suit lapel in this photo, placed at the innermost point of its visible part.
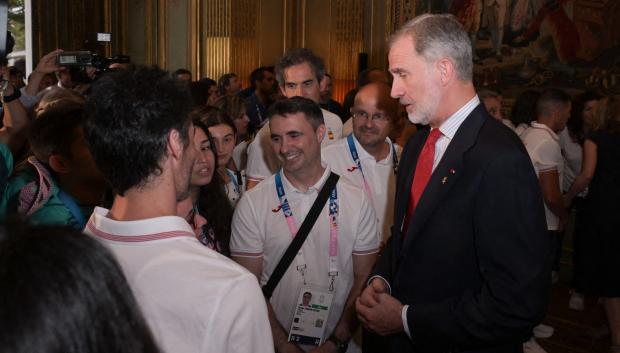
(445, 175)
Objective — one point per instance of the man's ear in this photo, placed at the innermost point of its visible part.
(59, 164)
(320, 132)
(175, 144)
(446, 70)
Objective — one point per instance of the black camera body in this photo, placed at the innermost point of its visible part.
(77, 61)
(82, 59)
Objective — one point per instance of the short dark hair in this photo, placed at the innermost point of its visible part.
(310, 109)
(64, 292)
(224, 82)
(182, 72)
(259, 74)
(549, 100)
(299, 56)
(200, 90)
(524, 108)
(54, 131)
(129, 117)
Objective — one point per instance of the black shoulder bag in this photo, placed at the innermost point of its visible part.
(301, 236)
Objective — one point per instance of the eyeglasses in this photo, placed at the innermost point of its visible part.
(363, 115)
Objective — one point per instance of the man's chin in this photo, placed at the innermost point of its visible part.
(417, 118)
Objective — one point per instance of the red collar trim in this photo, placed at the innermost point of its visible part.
(138, 238)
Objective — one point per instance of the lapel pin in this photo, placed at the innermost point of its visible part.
(452, 171)
(444, 180)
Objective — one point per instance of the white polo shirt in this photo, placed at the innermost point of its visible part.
(260, 229)
(379, 175)
(543, 146)
(194, 299)
(263, 162)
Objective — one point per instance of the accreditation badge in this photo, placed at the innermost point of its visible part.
(310, 316)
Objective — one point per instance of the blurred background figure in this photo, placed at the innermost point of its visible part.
(229, 84)
(67, 294)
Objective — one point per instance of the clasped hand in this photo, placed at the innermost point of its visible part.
(378, 311)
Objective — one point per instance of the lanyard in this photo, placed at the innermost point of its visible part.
(333, 229)
(358, 162)
(73, 208)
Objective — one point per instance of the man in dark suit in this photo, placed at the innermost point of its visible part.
(467, 267)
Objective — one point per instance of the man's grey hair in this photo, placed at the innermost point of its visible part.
(438, 36)
(299, 56)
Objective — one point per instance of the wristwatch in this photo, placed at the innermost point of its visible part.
(340, 345)
(16, 94)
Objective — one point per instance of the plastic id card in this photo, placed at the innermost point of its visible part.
(310, 316)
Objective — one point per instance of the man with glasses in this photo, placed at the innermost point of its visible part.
(367, 157)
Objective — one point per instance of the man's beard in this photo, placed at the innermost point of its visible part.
(423, 112)
(183, 185)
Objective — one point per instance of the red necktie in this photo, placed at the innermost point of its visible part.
(423, 170)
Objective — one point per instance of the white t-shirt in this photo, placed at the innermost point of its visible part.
(379, 175)
(543, 146)
(573, 155)
(260, 229)
(263, 162)
(194, 299)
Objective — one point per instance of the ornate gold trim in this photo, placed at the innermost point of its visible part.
(162, 33)
(148, 35)
(107, 24)
(194, 44)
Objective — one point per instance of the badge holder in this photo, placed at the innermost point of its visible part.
(310, 317)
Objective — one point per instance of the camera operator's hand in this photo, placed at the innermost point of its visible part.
(47, 65)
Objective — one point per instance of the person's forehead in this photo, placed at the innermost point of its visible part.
(291, 121)
(301, 72)
(367, 101)
(402, 51)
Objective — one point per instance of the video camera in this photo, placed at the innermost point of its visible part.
(86, 58)
(79, 62)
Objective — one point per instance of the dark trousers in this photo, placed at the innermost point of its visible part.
(556, 248)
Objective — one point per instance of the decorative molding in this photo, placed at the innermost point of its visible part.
(346, 42)
(194, 45)
(162, 33)
(151, 23)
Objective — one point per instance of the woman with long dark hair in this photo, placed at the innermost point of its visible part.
(224, 132)
(571, 140)
(601, 173)
(207, 208)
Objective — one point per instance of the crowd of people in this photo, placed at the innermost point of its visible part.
(144, 210)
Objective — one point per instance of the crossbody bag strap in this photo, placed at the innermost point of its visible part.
(300, 237)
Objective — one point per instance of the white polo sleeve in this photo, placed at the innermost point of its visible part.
(367, 240)
(548, 156)
(246, 239)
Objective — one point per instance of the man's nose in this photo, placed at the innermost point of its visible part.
(397, 90)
